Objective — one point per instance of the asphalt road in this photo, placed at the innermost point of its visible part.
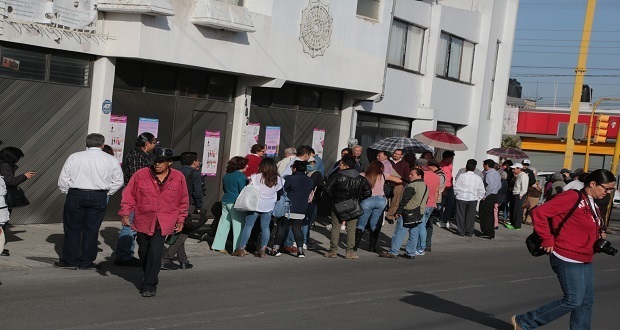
(465, 283)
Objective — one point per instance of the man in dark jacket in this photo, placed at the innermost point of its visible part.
(344, 185)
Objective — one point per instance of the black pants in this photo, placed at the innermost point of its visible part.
(465, 217)
(150, 250)
(448, 204)
(487, 215)
(178, 249)
(516, 216)
(83, 214)
(432, 220)
(283, 228)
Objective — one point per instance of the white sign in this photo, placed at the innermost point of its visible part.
(210, 153)
(118, 127)
(318, 140)
(150, 125)
(511, 119)
(251, 135)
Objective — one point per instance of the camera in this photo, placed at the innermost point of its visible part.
(603, 245)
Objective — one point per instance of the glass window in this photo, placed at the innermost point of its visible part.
(331, 101)
(22, 64)
(456, 58)
(69, 70)
(192, 83)
(309, 98)
(160, 79)
(284, 97)
(369, 8)
(405, 49)
(129, 75)
(221, 87)
(261, 96)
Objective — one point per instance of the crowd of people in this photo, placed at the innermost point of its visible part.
(415, 194)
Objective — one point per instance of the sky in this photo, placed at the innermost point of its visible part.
(546, 48)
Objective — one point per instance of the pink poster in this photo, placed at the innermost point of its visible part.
(150, 125)
(318, 140)
(251, 135)
(272, 140)
(210, 153)
(118, 127)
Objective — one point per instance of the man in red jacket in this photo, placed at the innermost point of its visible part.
(159, 198)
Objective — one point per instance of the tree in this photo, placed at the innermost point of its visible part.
(512, 142)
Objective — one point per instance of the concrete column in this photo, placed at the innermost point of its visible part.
(239, 120)
(101, 96)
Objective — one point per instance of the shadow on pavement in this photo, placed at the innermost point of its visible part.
(439, 305)
(57, 240)
(12, 236)
(129, 274)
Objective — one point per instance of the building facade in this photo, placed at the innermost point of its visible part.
(215, 76)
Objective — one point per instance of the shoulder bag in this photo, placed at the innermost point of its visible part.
(533, 242)
(388, 188)
(350, 208)
(248, 198)
(15, 197)
(413, 217)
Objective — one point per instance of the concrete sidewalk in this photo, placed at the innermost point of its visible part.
(37, 246)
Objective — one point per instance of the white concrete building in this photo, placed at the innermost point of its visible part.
(218, 66)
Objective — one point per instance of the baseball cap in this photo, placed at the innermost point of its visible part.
(517, 165)
(526, 162)
(564, 170)
(423, 163)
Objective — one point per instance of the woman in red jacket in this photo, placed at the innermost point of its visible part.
(571, 248)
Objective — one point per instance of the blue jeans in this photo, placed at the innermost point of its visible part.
(399, 235)
(250, 219)
(126, 241)
(422, 236)
(373, 208)
(83, 214)
(577, 282)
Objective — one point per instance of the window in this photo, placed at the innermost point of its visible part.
(193, 83)
(129, 75)
(309, 98)
(369, 8)
(69, 70)
(160, 79)
(405, 49)
(22, 64)
(456, 58)
(221, 87)
(292, 96)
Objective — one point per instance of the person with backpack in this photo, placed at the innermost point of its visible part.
(297, 187)
(190, 168)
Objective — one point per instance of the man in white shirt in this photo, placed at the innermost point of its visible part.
(468, 190)
(87, 178)
(520, 194)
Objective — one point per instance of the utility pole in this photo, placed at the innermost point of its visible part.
(580, 71)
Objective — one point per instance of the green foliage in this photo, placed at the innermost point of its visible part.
(513, 142)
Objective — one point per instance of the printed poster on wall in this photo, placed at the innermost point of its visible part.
(210, 153)
(272, 140)
(118, 127)
(150, 125)
(318, 140)
(251, 135)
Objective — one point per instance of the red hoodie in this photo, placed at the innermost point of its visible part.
(578, 234)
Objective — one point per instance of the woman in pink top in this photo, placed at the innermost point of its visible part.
(373, 207)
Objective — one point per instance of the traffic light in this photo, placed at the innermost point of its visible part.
(602, 123)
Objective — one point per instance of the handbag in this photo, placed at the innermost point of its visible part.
(350, 208)
(15, 197)
(248, 198)
(413, 217)
(388, 189)
(533, 242)
(282, 208)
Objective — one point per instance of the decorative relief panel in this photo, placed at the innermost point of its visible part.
(316, 28)
(220, 15)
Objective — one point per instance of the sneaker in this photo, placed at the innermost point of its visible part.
(447, 225)
(275, 253)
(509, 226)
(168, 266)
(351, 255)
(420, 253)
(301, 255)
(5, 253)
(62, 265)
(331, 254)
(305, 247)
(513, 320)
(148, 294)
(186, 265)
(133, 262)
